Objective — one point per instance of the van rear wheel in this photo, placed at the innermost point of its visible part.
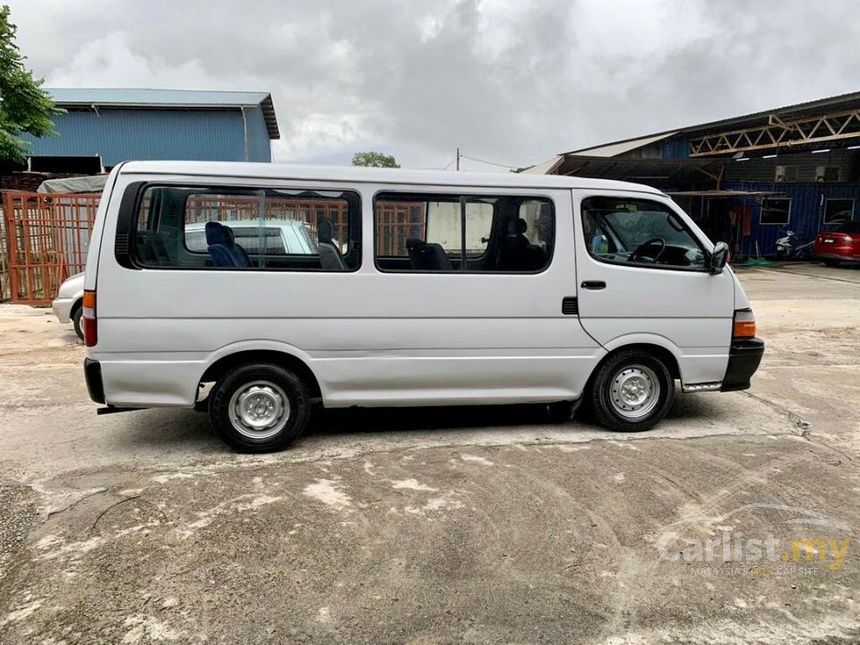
(259, 407)
(631, 392)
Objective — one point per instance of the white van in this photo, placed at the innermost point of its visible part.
(443, 288)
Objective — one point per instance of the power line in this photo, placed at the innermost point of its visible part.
(490, 163)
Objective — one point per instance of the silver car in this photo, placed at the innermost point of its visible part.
(68, 304)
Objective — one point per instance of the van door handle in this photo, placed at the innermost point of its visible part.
(593, 284)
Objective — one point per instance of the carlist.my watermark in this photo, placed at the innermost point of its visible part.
(810, 543)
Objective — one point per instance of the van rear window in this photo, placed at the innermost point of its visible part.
(264, 229)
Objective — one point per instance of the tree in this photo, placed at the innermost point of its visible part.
(374, 160)
(24, 105)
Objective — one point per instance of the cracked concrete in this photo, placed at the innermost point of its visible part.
(479, 525)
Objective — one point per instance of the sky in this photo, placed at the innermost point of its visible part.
(511, 82)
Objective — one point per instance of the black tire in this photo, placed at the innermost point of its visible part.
(77, 321)
(272, 384)
(831, 262)
(610, 375)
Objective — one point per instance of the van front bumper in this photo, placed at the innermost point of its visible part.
(744, 358)
(93, 376)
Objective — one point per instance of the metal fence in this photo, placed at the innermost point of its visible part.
(44, 237)
(239, 208)
(5, 287)
(395, 223)
(45, 240)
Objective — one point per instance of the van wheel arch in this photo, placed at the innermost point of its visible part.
(660, 352)
(282, 359)
(584, 409)
(595, 404)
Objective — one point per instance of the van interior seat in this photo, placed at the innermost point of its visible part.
(428, 256)
(516, 253)
(150, 247)
(330, 259)
(223, 250)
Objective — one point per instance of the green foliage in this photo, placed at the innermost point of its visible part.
(24, 105)
(374, 160)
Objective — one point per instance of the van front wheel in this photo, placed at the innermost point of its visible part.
(259, 407)
(632, 391)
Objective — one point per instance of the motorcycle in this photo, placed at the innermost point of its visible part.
(791, 247)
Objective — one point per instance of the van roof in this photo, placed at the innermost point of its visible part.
(372, 175)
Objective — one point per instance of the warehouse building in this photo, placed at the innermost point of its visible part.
(748, 179)
(102, 127)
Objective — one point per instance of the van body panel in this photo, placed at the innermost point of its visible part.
(741, 299)
(100, 225)
(689, 312)
(150, 383)
(383, 361)
(369, 337)
(383, 338)
(696, 364)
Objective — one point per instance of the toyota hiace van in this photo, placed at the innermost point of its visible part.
(407, 289)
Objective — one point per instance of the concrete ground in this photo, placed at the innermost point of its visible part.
(477, 525)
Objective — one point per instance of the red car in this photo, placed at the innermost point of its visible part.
(843, 244)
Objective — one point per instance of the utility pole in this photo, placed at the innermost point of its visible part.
(458, 158)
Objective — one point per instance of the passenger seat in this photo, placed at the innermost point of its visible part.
(223, 250)
(516, 252)
(330, 259)
(427, 256)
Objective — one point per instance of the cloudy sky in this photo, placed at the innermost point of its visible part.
(509, 81)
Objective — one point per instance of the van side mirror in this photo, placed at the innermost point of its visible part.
(719, 258)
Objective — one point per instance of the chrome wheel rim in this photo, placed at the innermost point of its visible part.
(259, 410)
(634, 392)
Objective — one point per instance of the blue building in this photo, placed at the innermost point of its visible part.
(102, 127)
(745, 179)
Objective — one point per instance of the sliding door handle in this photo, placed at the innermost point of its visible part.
(593, 284)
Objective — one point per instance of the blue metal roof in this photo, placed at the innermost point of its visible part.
(159, 98)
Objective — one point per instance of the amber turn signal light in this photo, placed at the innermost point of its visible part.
(744, 325)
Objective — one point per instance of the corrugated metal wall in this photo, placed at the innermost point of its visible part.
(122, 134)
(803, 163)
(807, 208)
(259, 148)
(807, 196)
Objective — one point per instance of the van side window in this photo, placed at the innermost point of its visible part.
(463, 233)
(640, 232)
(273, 229)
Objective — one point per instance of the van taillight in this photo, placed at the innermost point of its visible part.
(91, 327)
(744, 325)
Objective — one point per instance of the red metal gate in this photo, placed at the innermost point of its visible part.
(46, 236)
